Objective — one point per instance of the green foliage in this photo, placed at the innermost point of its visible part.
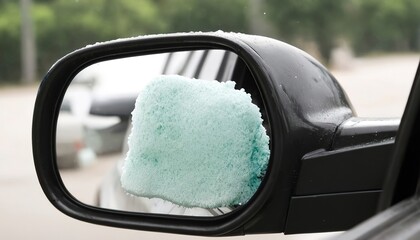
(209, 15)
(387, 25)
(369, 25)
(306, 21)
(65, 25)
(9, 41)
(62, 26)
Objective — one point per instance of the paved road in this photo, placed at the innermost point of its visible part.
(377, 87)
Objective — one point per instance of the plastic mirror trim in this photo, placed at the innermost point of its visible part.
(305, 106)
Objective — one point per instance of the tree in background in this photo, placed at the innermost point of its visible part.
(28, 49)
(63, 26)
(386, 25)
(304, 21)
(368, 25)
(9, 41)
(209, 15)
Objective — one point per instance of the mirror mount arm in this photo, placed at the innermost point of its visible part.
(339, 187)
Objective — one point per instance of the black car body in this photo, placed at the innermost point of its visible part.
(327, 166)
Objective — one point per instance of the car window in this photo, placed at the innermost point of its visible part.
(177, 62)
(211, 64)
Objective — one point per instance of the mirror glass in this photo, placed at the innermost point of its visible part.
(173, 133)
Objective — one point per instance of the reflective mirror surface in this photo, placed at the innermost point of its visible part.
(166, 152)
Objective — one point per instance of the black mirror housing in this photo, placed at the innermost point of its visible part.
(304, 106)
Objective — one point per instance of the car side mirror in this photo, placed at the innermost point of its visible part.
(315, 142)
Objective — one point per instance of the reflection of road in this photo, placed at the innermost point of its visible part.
(27, 214)
(83, 183)
(379, 87)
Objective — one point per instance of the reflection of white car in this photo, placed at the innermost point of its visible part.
(70, 145)
(106, 105)
(108, 121)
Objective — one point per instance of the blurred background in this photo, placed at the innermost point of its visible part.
(371, 46)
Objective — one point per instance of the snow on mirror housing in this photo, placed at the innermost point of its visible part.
(195, 143)
(295, 95)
